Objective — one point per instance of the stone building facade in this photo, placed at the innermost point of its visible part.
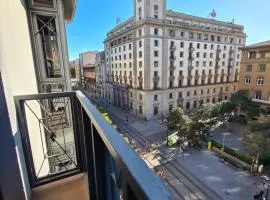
(255, 73)
(159, 59)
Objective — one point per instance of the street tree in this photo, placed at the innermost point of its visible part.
(174, 118)
(244, 104)
(254, 143)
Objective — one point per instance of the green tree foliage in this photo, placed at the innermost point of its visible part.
(244, 104)
(254, 143)
(175, 118)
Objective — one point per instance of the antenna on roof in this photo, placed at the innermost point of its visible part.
(118, 20)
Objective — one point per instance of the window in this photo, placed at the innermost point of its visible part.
(258, 94)
(155, 31)
(187, 105)
(195, 92)
(140, 54)
(224, 55)
(205, 46)
(204, 63)
(170, 95)
(188, 93)
(199, 36)
(218, 38)
(140, 13)
(212, 46)
(211, 55)
(180, 83)
(155, 110)
(210, 63)
(247, 80)
(260, 80)
(194, 104)
(155, 97)
(181, 64)
(191, 35)
(214, 90)
(140, 43)
(262, 67)
(140, 96)
(181, 54)
(140, 63)
(156, 43)
(197, 63)
(170, 108)
(182, 44)
(225, 47)
(198, 54)
(204, 55)
(201, 91)
(155, 53)
(182, 34)
(205, 37)
(140, 33)
(129, 46)
(179, 94)
(155, 63)
(130, 64)
(249, 68)
(212, 38)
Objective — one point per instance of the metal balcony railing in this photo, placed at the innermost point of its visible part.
(63, 134)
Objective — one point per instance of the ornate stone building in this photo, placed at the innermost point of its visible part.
(159, 59)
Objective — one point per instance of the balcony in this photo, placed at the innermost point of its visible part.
(181, 77)
(71, 152)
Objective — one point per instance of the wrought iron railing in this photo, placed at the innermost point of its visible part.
(64, 134)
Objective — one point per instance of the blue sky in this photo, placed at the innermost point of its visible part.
(94, 18)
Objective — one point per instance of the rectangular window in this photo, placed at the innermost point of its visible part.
(181, 54)
(155, 63)
(155, 53)
(156, 43)
(187, 105)
(155, 97)
(155, 31)
(262, 67)
(260, 80)
(181, 64)
(155, 110)
(182, 44)
(170, 95)
(205, 46)
(140, 63)
(249, 68)
(247, 80)
(140, 43)
(258, 94)
(170, 108)
(198, 45)
(188, 93)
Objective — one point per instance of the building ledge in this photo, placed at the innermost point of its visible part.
(267, 102)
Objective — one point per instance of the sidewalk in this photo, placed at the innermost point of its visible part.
(151, 129)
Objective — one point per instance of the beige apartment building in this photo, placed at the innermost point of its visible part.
(159, 59)
(255, 73)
